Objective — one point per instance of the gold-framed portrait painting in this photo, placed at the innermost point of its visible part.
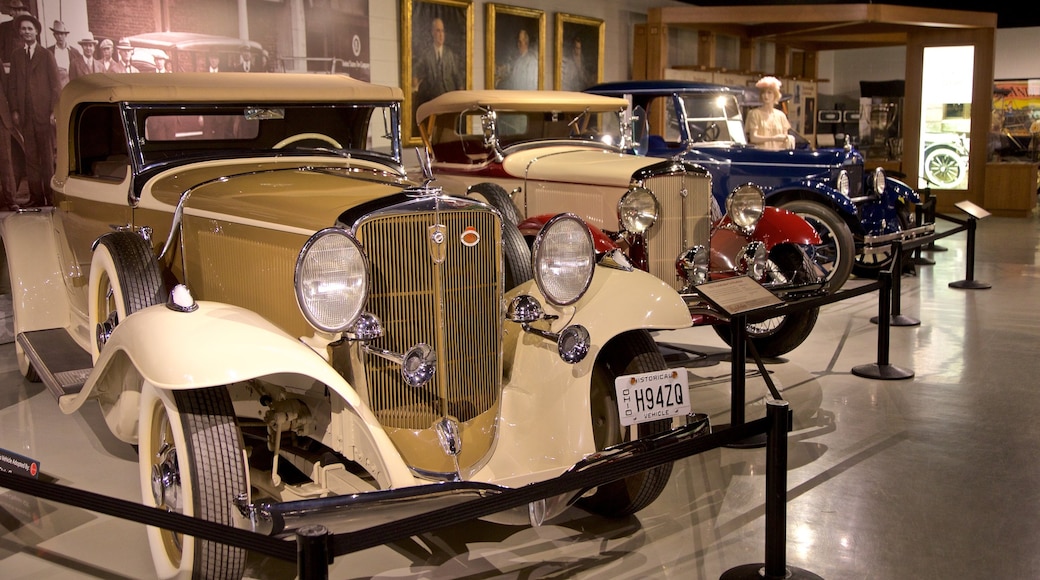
(436, 54)
(579, 52)
(515, 55)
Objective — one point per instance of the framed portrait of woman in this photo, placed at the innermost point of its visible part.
(436, 54)
(579, 52)
(515, 57)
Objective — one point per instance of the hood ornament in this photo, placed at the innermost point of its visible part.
(425, 165)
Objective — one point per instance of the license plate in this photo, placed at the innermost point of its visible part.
(652, 396)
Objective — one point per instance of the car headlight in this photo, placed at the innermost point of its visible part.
(638, 210)
(879, 181)
(745, 205)
(564, 259)
(841, 183)
(331, 280)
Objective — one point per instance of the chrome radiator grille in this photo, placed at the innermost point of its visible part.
(447, 296)
(684, 221)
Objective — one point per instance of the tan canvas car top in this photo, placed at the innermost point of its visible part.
(204, 88)
(224, 87)
(505, 100)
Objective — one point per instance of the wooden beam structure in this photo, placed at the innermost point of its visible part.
(799, 32)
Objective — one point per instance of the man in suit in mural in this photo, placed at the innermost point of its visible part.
(34, 92)
(91, 62)
(245, 62)
(8, 182)
(9, 37)
(69, 60)
(107, 60)
(124, 56)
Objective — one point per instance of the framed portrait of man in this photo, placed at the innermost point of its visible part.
(515, 56)
(579, 52)
(436, 54)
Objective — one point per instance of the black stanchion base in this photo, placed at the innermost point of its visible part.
(883, 372)
(758, 571)
(922, 261)
(899, 320)
(753, 442)
(970, 285)
(934, 248)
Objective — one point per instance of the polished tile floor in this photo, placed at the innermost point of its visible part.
(932, 476)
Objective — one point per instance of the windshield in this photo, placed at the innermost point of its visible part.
(722, 110)
(460, 137)
(518, 127)
(348, 129)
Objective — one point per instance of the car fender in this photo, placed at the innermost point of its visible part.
(217, 344)
(810, 190)
(896, 189)
(545, 401)
(776, 226)
(32, 258)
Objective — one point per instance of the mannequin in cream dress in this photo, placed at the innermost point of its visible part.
(767, 126)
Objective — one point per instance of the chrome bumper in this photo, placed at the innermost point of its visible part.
(351, 513)
(880, 244)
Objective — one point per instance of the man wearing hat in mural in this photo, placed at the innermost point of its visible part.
(245, 62)
(91, 63)
(124, 52)
(33, 93)
(69, 60)
(162, 62)
(9, 37)
(8, 182)
(109, 64)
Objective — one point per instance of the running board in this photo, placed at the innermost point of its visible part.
(62, 365)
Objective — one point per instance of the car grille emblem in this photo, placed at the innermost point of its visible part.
(470, 237)
(436, 232)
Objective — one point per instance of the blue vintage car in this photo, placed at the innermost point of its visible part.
(857, 213)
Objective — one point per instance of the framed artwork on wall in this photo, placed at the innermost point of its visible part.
(579, 52)
(515, 57)
(436, 54)
(1016, 117)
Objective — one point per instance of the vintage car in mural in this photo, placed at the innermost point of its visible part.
(238, 272)
(190, 51)
(533, 154)
(857, 213)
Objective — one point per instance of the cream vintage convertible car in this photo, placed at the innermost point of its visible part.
(238, 272)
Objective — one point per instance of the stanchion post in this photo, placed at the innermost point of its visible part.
(881, 369)
(313, 553)
(776, 489)
(930, 212)
(970, 283)
(738, 378)
(775, 567)
(921, 213)
(896, 278)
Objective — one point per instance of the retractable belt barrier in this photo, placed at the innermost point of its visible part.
(315, 548)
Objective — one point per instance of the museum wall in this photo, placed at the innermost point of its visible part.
(1015, 50)
(618, 16)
